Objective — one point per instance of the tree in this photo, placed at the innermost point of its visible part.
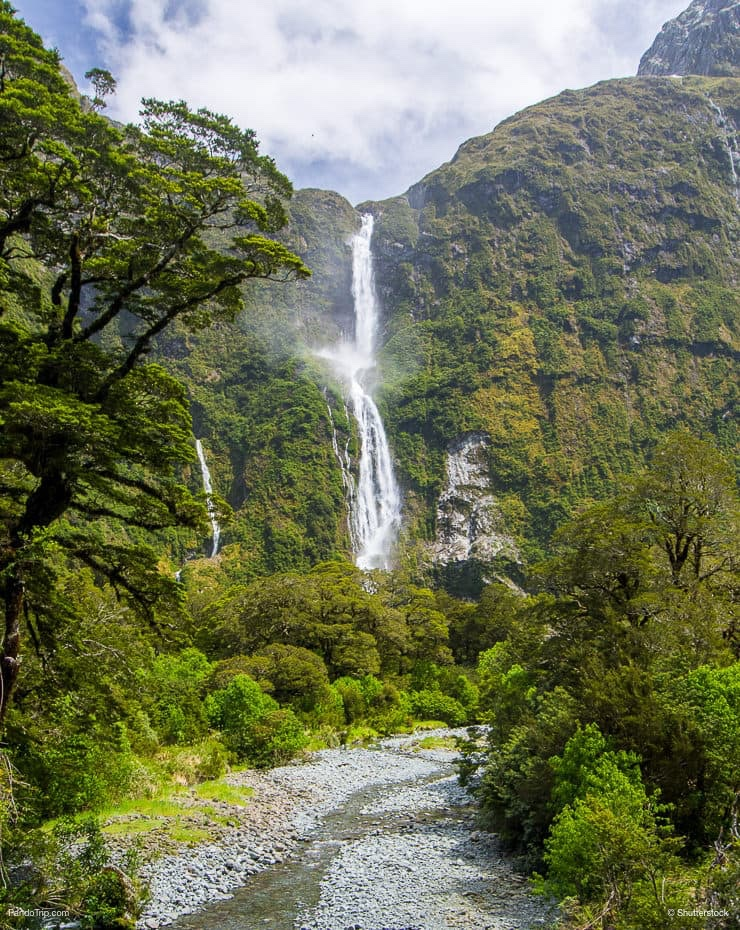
(108, 237)
(689, 496)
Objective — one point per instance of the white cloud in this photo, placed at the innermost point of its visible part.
(372, 94)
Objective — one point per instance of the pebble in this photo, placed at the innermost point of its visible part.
(433, 871)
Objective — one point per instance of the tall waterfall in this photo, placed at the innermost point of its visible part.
(375, 505)
(208, 488)
(730, 142)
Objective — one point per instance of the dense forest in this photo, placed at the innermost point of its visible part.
(566, 288)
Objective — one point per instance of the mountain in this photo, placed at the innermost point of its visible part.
(567, 284)
(555, 298)
(704, 39)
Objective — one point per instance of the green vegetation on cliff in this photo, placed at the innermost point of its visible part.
(568, 284)
(565, 289)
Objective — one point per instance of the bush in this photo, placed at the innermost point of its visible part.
(296, 675)
(607, 845)
(78, 770)
(190, 765)
(329, 711)
(176, 686)
(253, 725)
(433, 705)
(73, 869)
(353, 698)
(273, 739)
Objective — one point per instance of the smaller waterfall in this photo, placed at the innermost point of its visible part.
(345, 466)
(730, 140)
(208, 488)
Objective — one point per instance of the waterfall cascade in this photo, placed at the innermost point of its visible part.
(730, 141)
(375, 501)
(208, 488)
(345, 466)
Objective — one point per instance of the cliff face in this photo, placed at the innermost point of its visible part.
(704, 39)
(566, 285)
(556, 298)
(469, 520)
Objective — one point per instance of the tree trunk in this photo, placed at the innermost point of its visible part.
(47, 502)
(9, 657)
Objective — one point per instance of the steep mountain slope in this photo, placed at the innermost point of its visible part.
(556, 297)
(566, 284)
(264, 409)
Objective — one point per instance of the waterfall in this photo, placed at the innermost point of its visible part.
(345, 466)
(375, 507)
(730, 141)
(208, 488)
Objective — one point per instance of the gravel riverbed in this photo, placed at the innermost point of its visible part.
(406, 855)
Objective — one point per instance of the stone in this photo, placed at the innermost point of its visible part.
(704, 39)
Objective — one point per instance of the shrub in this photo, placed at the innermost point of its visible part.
(253, 725)
(273, 739)
(353, 698)
(433, 705)
(176, 687)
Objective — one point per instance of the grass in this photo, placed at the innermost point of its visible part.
(175, 830)
(223, 792)
(184, 833)
(162, 805)
(170, 811)
(132, 827)
(437, 742)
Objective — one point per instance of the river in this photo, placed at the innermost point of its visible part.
(373, 838)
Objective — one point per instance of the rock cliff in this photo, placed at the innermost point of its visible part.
(704, 39)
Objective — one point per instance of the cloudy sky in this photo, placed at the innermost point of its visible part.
(361, 96)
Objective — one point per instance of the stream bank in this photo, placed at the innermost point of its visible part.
(364, 838)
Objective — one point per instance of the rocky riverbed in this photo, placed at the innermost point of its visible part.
(364, 838)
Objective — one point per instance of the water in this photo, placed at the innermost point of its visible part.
(345, 466)
(208, 488)
(375, 515)
(277, 898)
(730, 145)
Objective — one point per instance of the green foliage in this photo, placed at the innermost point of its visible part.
(291, 674)
(433, 705)
(706, 705)
(82, 768)
(74, 872)
(274, 738)
(618, 687)
(253, 725)
(329, 611)
(106, 239)
(176, 683)
(571, 289)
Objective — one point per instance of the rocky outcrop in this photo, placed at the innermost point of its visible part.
(704, 39)
(470, 525)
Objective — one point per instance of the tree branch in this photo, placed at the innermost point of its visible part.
(141, 346)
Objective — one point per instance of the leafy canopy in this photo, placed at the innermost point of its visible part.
(108, 236)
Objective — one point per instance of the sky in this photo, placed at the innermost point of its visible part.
(363, 97)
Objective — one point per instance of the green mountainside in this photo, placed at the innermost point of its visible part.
(556, 371)
(566, 285)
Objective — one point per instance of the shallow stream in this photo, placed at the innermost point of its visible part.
(279, 897)
(394, 855)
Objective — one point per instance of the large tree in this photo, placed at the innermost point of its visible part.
(108, 236)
